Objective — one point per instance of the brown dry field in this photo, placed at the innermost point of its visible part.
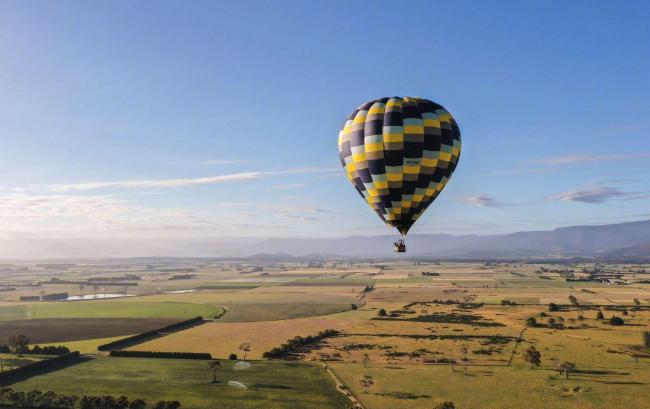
(223, 338)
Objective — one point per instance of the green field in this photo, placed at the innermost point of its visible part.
(277, 311)
(108, 309)
(270, 384)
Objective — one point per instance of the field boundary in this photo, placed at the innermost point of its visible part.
(160, 355)
(149, 335)
(342, 388)
(517, 342)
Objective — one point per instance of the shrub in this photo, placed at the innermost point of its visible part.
(600, 315)
(445, 405)
(616, 320)
(353, 306)
(531, 322)
(552, 307)
(646, 339)
(382, 313)
(233, 357)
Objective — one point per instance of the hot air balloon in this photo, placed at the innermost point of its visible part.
(399, 154)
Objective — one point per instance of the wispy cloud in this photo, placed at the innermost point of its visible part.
(172, 183)
(212, 162)
(228, 205)
(300, 209)
(586, 158)
(589, 195)
(289, 186)
(74, 213)
(297, 217)
(483, 201)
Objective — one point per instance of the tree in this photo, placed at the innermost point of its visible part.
(573, 300)
(353, 306)
(637, 302)
(17, 343)
(533, 356)
(552, 307)
(445, 405)
(122, 402)
(381, 313)
(566, 368)
(646, 339)
(600, 315)
(245, 347)
(366, 359)
(214, 365)
(167, 405)
(366, 382)
(138, 404)
(531, 322)
(616, 320)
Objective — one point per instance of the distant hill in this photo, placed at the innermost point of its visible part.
(562, 242)
(611, 241)
(640, 250)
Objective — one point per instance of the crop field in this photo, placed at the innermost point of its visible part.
(107, 309)
(72, 329)
(423, 331)
(268, 384)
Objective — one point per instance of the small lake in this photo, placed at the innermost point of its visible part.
(96, 297)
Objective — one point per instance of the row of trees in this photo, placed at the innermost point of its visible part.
(52, 400)
(558, 323)
(19, 344)
(286, 350)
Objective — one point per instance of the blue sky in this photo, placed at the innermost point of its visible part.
(150, 119)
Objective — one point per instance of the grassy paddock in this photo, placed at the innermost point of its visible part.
(107, 309)
(270, 384)
(52, 330)
(420, 386)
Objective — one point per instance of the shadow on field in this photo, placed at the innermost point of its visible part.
(10, 378)
(402, 395)
(597, 372)
(270, 386)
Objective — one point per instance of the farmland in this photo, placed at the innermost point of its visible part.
(422, 331)
(269, 384)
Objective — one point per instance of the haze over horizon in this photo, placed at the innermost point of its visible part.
(222, 121)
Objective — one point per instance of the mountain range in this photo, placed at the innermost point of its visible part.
(612, 241)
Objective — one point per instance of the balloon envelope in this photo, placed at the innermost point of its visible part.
(399, 154)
